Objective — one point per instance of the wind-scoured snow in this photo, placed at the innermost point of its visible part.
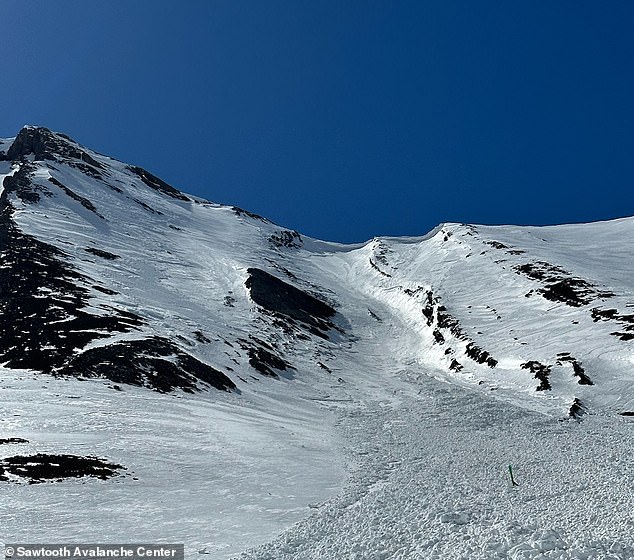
(383, 429)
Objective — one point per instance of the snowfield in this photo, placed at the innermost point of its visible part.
(256, 468)
(372, 396)
(429, 480)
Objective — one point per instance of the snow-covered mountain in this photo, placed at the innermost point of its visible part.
(240, 377)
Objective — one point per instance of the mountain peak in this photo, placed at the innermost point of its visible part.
(45, 144)
(35, 140)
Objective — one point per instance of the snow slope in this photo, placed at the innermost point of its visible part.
(372, 395)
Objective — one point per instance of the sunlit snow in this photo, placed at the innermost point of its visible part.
(376, 446)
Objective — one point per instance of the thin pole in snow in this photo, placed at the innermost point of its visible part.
(513, 483)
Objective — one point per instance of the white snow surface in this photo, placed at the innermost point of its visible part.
(372, 448)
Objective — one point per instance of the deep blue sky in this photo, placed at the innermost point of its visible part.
(343, 120)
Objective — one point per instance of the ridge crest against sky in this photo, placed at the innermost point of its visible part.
(344, 120)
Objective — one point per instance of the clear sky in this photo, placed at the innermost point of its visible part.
(343, 120)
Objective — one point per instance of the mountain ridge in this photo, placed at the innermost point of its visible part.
(241, 383)
(51, 169)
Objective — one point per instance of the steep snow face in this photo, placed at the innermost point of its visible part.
(543, 316)
(109, 273)
(243, 373)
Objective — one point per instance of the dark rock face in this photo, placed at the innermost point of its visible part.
(561, 286)
(157, 184)
(569, 291)
(43, 466)
(438, 337)
(375, 267)
(103, 290)
(625, 322)
(265, 361)
(11, 440)
(577, 368)
(83, 201)
(480, 356)
(603, 314)
(37, 141)
(428, 309)
(200, 337)
(242, 212)
(148, 208)
(435, 312)
(263, 357)
(623, 335)
(153, 362)
(281, 298)
(577, 409)
(502, 247)
(44, 302)
(21, 185)
(42, 312)
(101, 253)
(446, 321)
(286, 238)
(541, 372)
(44, 144)
(497, 244)
(455, 365)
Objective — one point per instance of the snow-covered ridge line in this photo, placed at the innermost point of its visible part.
(493, 304)
(124, 297)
